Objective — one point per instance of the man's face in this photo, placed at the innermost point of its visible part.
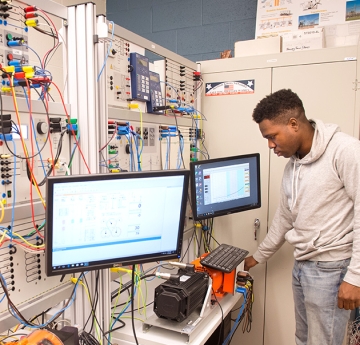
(283, 139)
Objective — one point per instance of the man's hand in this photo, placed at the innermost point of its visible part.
(348, 296)
(249, 262)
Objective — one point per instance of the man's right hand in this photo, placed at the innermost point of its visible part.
(249, 263)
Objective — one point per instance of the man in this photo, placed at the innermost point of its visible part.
(319, 214)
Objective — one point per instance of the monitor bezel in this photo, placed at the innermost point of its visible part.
(119, 261)
(196, 217)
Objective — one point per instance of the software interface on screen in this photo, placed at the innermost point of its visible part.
(226, 184)
(103, 220)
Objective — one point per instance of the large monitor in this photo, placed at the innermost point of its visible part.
(225, 185)
(110, 220)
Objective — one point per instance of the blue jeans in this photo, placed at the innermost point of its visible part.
(319, 321)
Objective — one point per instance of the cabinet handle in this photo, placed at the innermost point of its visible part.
(256, 227)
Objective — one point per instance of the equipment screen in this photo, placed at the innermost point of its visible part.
(109, 220)
(154, 77)
(143, 62)
(225, 185)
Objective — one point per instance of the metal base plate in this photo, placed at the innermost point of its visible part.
(190, 327)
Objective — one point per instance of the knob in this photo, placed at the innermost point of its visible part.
(42, 127)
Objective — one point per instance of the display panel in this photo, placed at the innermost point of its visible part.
(109, 220)
(225, 185)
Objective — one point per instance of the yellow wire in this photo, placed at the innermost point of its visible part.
(142, 297)
(146, 296)
(142, 135)
(2, 212)
(203, 236)
(135, 318)
(3, 236)
(74, 280)
(201, 130)
(117, 298)
(22, 238)
(28, 243)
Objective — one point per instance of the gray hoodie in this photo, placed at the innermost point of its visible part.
(319, 211)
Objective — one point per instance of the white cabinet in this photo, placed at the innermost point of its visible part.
(326, 81)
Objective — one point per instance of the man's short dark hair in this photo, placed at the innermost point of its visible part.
(276, 106)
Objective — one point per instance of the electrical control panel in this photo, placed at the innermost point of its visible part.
(156, 98)
(24, 272)
(128, 152)
(174, 147)
(180, 84)
(140, 77)
(118, 81)
(34, 144)
(47, 146)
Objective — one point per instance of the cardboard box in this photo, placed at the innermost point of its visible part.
(342, 34)
(269, 45)
(300, 40)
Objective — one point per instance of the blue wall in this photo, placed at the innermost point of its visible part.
(196, 29)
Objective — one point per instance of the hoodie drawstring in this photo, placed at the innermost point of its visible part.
(293, 201)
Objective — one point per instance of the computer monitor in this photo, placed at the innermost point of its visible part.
(225, 185)
(109, 220)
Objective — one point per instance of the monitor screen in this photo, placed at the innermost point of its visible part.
(109, 220)
(225, 185)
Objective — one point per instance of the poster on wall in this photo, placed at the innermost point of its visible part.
(276, 17)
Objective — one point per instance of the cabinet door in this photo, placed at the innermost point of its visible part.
(327, 94)
(230, 131)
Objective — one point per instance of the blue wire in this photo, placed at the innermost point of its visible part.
(130, 149)
(137, 137)
(120, 314)
(108, 52)
(34, 131)
(243, 291)
(14, 192)
(2, 278)
(181, 148)
(25, 45)
(109, 159)
(54, 316)
(166, 83)
(167, 153)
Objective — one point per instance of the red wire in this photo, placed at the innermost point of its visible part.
(32, 162)
(32, 169)
(112, 137)
(49, 138)
(57, 37)
(72, 131)
(21, 137)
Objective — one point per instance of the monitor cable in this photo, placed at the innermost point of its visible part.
(132, 303)
(221, 328)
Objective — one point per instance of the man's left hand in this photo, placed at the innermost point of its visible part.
(348, 296)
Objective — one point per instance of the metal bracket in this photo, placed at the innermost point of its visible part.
(356, 85)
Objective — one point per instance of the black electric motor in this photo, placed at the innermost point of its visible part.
(177, 298)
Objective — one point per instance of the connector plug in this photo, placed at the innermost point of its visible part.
(4, 156)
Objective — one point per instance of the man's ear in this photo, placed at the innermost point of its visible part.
(294, 124)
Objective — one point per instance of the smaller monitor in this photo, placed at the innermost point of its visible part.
(225, 185)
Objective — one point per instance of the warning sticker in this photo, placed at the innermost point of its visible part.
(227, 88)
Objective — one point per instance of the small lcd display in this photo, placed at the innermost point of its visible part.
(225, 185)
(143, 62)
